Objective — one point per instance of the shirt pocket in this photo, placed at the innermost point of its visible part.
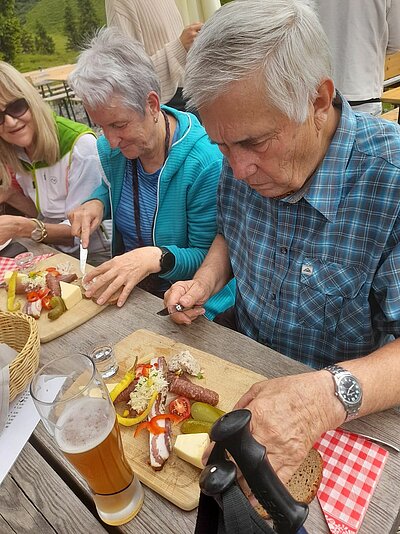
(332, 299)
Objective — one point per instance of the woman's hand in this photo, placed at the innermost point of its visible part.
(14, 226)
(85, 219)
(121, 274)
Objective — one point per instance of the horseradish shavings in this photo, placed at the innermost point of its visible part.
(145, 388)
(184, 362)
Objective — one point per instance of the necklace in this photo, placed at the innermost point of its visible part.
(135, 180)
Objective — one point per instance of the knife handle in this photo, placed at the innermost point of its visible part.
(232, 430)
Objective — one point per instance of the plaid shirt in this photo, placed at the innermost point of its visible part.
(318, 272)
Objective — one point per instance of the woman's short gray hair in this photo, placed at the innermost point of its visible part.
(280, 40)
(114, 65)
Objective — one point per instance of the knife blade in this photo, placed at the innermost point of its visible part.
(83, 253)
(172, 309)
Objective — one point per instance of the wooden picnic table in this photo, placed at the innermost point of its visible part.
(42, 493)
(59, 73)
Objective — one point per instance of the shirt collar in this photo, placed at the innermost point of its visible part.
(323, 190)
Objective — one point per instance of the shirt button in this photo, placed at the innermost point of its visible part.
(273, 296)
(283, 250)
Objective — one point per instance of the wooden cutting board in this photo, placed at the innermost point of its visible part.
(178, 481)
(79, 314)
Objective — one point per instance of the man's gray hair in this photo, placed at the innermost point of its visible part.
(114, 65)
(281, 41)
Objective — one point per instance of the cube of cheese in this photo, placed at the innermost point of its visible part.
(70, 294)
(21, 277)
(191, 447)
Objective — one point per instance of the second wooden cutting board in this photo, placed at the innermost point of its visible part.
(79, 314)
(178, 481)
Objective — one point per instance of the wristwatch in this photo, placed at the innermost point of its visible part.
(167, 260)
(347, 389)
(40, 232)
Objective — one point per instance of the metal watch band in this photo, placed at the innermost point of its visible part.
(351, 411)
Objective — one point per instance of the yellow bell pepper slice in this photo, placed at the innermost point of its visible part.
(130, 421)
(12, 306)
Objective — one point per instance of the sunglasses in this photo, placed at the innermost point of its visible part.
(14, 109)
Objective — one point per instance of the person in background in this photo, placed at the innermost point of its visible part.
(158, 25)
(360, 34)
(308, 222)
(55, 165)
(160, 175)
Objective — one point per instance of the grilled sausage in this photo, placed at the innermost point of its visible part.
(124, 396)
(53, 284)
(193, 391)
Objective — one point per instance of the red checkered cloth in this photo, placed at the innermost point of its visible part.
(352, 468)
(8, 264)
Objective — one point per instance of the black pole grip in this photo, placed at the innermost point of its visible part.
(232, 430)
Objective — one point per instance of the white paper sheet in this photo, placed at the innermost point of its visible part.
(21, 422)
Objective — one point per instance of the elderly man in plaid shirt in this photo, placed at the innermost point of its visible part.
(309, 222)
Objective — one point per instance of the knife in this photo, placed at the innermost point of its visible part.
(83, 253)
(174, 309)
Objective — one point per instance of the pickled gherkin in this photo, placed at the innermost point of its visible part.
(191, 426)
(202, 411)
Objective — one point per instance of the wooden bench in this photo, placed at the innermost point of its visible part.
(392, 115)
(392, 70)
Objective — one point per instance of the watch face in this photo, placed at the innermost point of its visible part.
(349, 390)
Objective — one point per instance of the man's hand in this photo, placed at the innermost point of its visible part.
(190, 294)
(85, 219)
(121, 274)
(289, 414)
(189, 34)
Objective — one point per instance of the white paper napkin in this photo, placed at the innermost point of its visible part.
(7, 354)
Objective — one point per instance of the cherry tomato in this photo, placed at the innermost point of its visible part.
(53, 271)
(43, 292)
(46, 302)
(180, 407)
(32, 296)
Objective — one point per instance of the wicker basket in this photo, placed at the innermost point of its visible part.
(21, 333)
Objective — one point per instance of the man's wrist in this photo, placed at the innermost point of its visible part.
(335, 412)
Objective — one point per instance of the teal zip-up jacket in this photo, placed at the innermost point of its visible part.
(185, 217)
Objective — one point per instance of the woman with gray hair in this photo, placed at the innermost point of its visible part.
(160, 174)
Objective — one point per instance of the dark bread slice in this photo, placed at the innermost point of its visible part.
(305, 482)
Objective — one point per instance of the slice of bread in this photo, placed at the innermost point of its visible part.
(305, 482)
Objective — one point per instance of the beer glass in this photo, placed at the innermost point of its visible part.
(75, 407)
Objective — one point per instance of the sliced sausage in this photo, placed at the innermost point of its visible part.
(53, 284)
(193, 391)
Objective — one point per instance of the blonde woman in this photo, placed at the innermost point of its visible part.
(55, 165)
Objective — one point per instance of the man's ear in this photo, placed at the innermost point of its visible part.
(153, 101)
(323, 102)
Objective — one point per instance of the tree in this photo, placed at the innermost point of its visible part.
(71, 27)
(10, 31)
(43, 41)
(88, 19)
(27, 42)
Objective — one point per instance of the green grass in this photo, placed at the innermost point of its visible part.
(28, 62)
(51, 14)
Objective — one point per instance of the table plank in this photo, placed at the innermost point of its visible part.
(34, 499)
